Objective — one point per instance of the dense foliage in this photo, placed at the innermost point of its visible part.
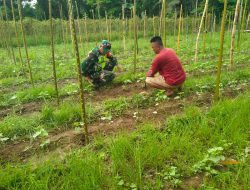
(114, 7)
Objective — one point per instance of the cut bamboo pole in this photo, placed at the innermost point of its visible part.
(144, 24)
(24, 41)
(8, 40)
(107, 25)
(198, 35)
(79, 25)
(135, 37)
(86, 29)
(175, 23)
(76, 50)
(236, 13)
(164, 23)
(248, 18)
(205, 32)
(154, 24)
(243, 20)
(53, 51)
(17, 39)
(196, 14)
(110, 28)
(217, 88)
(4, 35)
(179, 30)
(62, 28)
(123, 29)
(94, 23)
(239, 25)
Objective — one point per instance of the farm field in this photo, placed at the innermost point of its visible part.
(139, 138)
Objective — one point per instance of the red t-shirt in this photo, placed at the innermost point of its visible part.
(169, 66)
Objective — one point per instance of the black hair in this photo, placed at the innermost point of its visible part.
(157, 39)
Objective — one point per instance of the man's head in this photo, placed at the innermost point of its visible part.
(156, 44)
(105, 47)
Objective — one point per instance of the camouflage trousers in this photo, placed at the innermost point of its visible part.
(100, 77)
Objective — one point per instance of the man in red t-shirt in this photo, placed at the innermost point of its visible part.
(166, 62)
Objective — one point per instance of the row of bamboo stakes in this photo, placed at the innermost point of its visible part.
(240, 17)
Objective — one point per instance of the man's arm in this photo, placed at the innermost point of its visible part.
(154, 68)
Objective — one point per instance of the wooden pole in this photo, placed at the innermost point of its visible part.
(53, 51)
(179, 30)
(123, 29)
(24, 42)
(135, 37)
(217, 88)
(17, 39)
(79, 25)
(76, 50)
(236, 13)
(198, 35)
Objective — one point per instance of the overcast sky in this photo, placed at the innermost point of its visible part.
(32, 3)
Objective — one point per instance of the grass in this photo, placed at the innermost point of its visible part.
(150, 158)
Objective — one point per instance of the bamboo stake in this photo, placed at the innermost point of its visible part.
(135, 37)
(17, 39)
(217, 88)
(107, 25)
(236, 13)
(62, 28)
(248, 18)
(53, 51)
(229, 23)
(24, 42)
(82, 99)
(8, 40)
(239, 26)
(179, 30)
(205, 32)
(124, 29)
(4, 34)
(164, 23)
(175, 22)
(86, 29)
(94, 22)
(130, 24)
(110, 28)
(79, 25)
(144, 24)
(154, 24)
(35, 34)
(197, 39)
(196, 12)
(67, 32)
(160, 21)
(243, 20)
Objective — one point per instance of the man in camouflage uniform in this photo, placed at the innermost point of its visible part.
(92, 68)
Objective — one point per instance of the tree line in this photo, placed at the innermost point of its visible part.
(113, 8)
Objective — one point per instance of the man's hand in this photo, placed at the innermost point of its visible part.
(149, 73)
(119, 68)
(89, 80)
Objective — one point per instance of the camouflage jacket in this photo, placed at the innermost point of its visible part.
(92, 66)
